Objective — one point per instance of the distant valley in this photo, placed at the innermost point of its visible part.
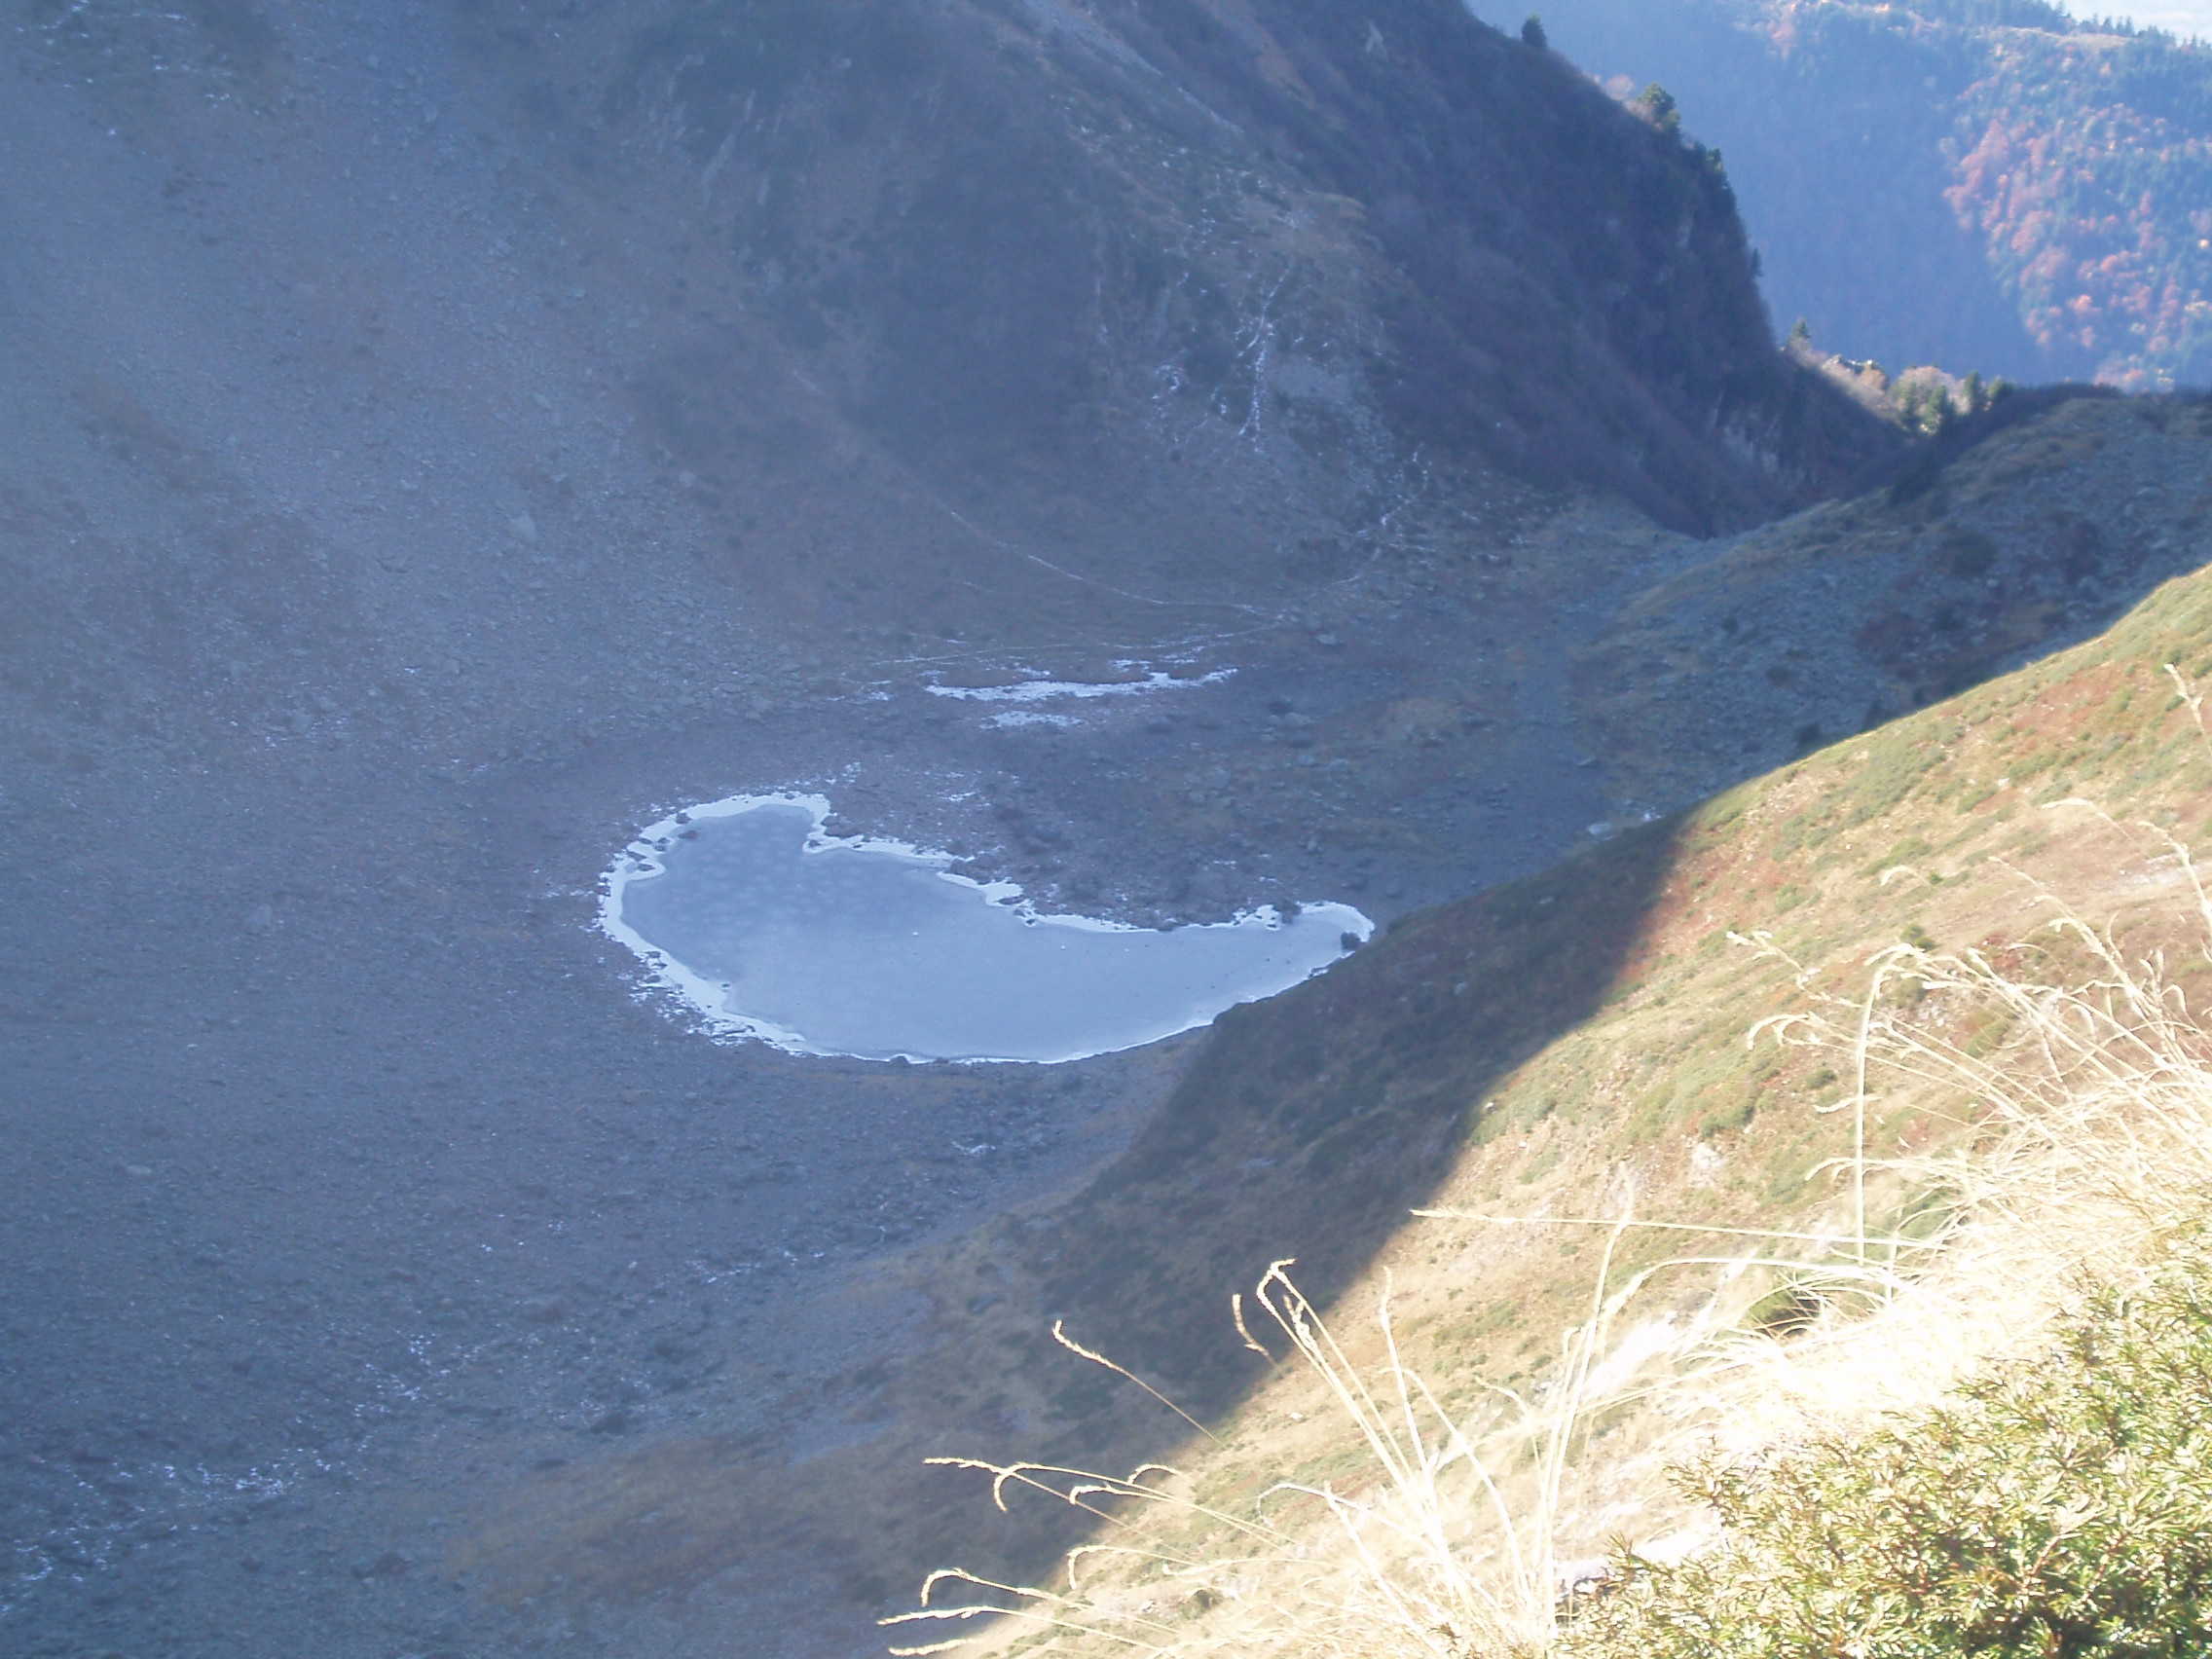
(1989, 184)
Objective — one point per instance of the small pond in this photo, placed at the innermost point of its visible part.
(774, 929)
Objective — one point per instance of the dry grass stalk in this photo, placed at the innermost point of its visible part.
(2081, 1137)
(1392, 1567)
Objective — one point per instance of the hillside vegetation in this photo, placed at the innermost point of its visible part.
(2083, 161)
(1942, 834)
(1991, 184)
(2055, 1506)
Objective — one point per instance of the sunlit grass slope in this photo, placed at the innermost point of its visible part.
(1627, 1091)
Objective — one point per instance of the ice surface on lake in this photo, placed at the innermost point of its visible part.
(873, 950)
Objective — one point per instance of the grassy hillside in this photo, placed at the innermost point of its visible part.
(1558, 1049)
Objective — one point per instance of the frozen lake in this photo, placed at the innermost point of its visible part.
(773, 930)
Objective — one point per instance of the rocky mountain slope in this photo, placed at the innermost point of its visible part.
(1843, 617)
(441, 438)
(1279, 251)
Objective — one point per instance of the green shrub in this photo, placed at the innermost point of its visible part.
(1728, 1118)
(2057, 1505)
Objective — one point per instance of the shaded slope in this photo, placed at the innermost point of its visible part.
(1088, 265)
(408, 486)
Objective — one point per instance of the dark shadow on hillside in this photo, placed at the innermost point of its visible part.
(1307, 1126)
(2029, 527)
(1312, 1123)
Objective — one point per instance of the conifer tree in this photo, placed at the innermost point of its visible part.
(1659, 108)
(1910, 397)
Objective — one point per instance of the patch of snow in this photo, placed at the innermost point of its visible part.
(1040, 690)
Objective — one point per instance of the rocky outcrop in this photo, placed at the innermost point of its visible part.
(1803, 632)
